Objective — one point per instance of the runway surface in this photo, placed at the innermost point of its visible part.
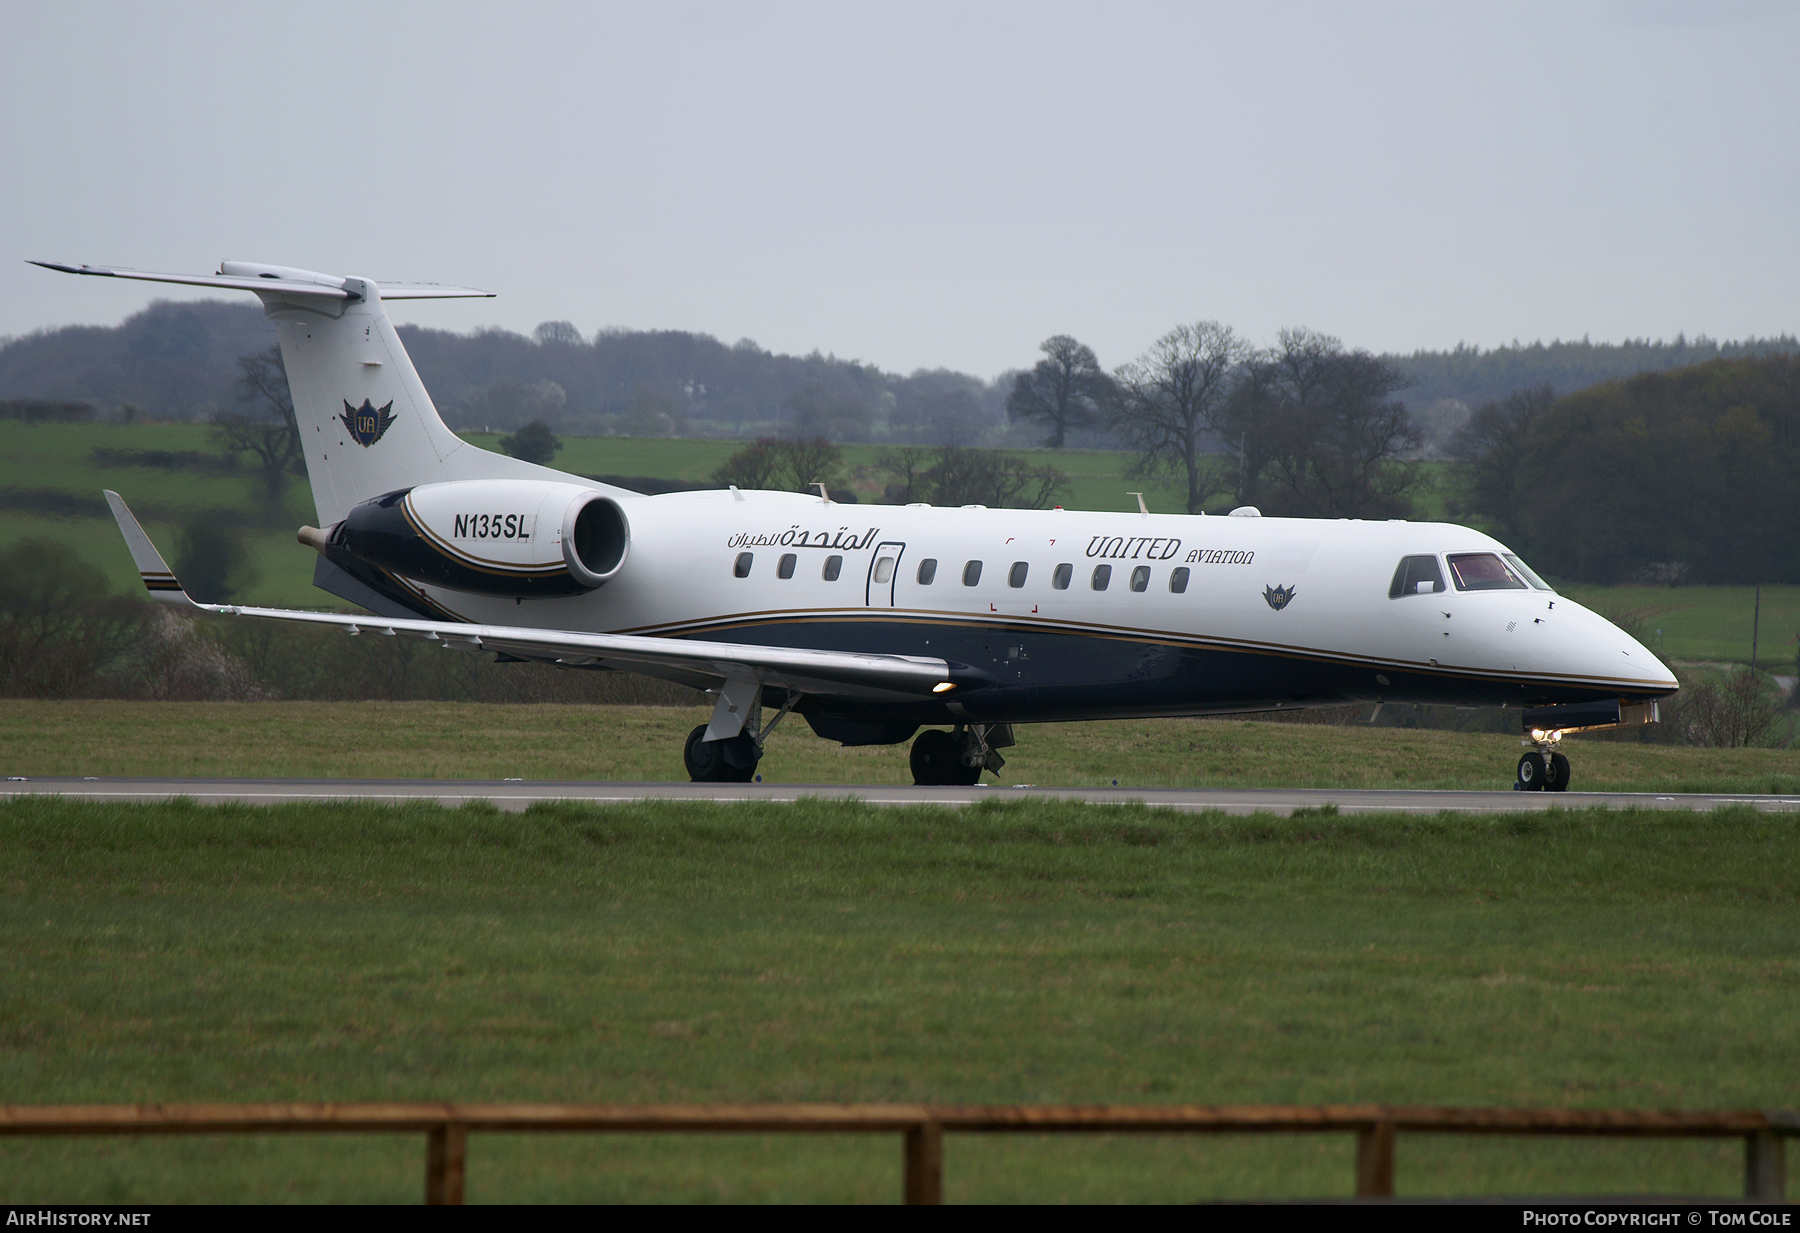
(515, 795)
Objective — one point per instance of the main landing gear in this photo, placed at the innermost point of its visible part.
(732, 759)
(1543, 769)
(941, 759)
(938, 758)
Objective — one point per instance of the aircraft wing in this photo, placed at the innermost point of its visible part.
(737, 671)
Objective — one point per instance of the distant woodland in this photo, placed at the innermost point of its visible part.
(181, 362)
(1673, 477)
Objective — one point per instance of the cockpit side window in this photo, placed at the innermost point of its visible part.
(1483, 571)
(1416, 576)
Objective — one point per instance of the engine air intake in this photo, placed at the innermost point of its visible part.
(595, 539)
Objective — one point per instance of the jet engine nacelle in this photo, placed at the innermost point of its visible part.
(524, 538)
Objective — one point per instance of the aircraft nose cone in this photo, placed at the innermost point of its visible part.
(1636, 661)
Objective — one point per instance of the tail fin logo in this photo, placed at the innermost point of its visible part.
(366, 423)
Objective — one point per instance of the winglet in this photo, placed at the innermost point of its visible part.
(158, 577)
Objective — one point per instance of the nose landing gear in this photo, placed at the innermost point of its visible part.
(1543, 770)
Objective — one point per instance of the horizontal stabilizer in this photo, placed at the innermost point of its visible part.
(295, 282)
(430, 291)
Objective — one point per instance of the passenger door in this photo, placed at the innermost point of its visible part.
(884, 571)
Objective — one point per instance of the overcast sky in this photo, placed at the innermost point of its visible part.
(928, 184)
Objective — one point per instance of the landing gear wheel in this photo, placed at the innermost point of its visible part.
(937, 760)
(732, 760)
(1558, 779)
(1532, 773)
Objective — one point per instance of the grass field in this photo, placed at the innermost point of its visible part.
(1011, 951)
(1707, 624)
(430, 740)
(54, 458)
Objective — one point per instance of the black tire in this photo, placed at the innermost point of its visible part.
(1559, 774)
(1531, 773)
(936, 759)
(732, 760)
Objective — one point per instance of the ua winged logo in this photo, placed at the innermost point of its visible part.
(366, 423)
(1278, 597)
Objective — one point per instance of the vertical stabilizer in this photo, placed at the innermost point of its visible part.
(367, 425)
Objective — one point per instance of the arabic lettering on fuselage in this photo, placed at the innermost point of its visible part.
(842, 539)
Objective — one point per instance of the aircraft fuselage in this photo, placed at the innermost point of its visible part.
(1072, 614)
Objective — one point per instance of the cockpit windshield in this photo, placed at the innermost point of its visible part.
(1483, 571)
(1525, 571)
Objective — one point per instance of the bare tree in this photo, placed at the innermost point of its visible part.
(909, 467)
(266, 430)
(1736, 712)
(1066, 389)
(956, 475)
(1320, 433)
(1172, 398)
(782, 462)
(262, 379)
(557, 333)
(811, 461)
(757, 466)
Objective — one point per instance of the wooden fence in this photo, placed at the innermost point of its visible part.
(922, 1128)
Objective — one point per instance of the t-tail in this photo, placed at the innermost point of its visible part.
(366, 423)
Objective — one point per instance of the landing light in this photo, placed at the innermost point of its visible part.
(1553, 735)
(941, 686)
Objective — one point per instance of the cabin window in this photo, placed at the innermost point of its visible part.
(1102, 577)
(1483, 571)
(1416, 576)
(1140, 578)
(927, 571)
(784, 568)
(1060, 579)
(834, 565)
(1015, 577)
(971, 573)
(1525, 571)
(740, 568)
(1178, 579)
(884, 568)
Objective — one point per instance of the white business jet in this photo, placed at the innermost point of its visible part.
(875, 621)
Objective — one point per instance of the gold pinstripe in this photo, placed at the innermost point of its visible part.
(1115, 633)
(484, 565)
